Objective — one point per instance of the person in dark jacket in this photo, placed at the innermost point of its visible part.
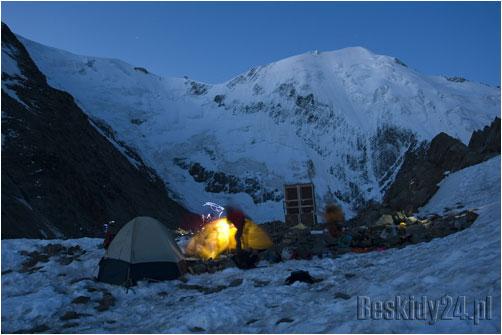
(109, 235)
(335, 219)
(244, 259)
(335, 224)
(238, 219)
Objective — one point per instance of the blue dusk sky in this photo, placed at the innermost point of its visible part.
(215, 41)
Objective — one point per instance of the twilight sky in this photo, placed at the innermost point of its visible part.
(213, 42)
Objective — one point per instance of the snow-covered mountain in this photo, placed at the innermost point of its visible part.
(341, 119)
(464, 265)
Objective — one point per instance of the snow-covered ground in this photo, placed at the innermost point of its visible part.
(463, 264)
(342, 120)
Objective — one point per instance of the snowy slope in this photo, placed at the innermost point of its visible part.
(463, 264)
(460, 188)
(341, 119)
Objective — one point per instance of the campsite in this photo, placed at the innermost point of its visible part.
(246, 167)
(52, 296)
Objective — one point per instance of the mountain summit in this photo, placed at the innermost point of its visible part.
(342, 119)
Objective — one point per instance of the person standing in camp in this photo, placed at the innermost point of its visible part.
(335, 219)
(244, 259)
(238, 219)
(109, 235)
(335, 224)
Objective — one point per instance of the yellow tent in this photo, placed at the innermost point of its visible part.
(300, 226)
(218, 236)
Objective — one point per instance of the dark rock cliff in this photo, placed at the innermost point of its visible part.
(424, 167)
(61, 177)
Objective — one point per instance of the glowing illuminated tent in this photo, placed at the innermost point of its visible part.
(218, 236)
(143, 249)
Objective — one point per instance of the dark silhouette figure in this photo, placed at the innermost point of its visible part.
(237, 218)
(244, 259)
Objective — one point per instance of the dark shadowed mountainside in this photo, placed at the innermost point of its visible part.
(61, 175)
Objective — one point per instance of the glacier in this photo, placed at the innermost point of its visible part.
(342, 119)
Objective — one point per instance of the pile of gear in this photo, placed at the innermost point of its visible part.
(336, 237)
(397, 229)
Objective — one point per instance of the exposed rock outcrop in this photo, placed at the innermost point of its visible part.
(61, 175)
(486, 141)
(219, 182)
(424, 167)
(393, 230)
